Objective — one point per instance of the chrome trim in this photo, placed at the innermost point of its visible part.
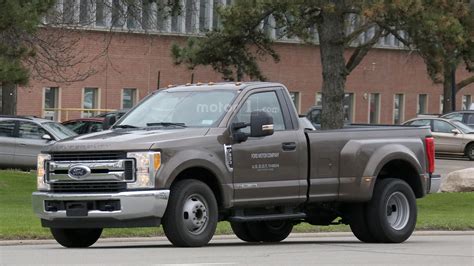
(228, 157)
(134, 204)
(435, 183)
(116, 170)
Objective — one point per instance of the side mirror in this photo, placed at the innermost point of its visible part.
(261, 124)
(109, 121)
(46, 137)
(456, 131)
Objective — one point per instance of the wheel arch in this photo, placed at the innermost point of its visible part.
(404, 170)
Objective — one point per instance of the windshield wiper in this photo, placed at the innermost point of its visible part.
(166, 124)
(125, 126)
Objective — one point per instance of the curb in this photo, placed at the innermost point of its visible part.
(223, 237)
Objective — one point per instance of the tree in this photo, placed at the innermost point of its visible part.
(234, 48)
(442, 33)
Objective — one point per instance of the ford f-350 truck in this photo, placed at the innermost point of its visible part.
(189, 156)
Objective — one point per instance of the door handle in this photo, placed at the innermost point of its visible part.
(22, 144)
(288, 146)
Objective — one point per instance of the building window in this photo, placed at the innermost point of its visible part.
(100, 13)
(90, 101)
(467, 102)
(374, 108)
(117, 14)
(441, 103)
(348, 107)
(295, 97)
(68, 11)
(129, 98)
(84, 12)
(319, 99)
(398, 108)
(422, 104)
(51, 103)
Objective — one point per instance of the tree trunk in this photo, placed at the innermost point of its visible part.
(447, 89)
(331, 36)
(8, 99)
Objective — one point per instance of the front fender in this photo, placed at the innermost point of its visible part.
(176, 163)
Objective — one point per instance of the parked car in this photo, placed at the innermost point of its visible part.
(451, 136)
(85, 125)
(314, 116)
(22, 138)
(467, 117)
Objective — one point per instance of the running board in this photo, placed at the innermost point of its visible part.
(268, 217)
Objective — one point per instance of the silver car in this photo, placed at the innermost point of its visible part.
(451, 136)
(22, 138)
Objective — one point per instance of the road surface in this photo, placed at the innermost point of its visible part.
(423, 248)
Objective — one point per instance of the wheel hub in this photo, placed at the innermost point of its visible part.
(195, 214)
(398, 211)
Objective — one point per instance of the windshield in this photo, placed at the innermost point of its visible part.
(180, 108)
(59, 130)
(466, 129)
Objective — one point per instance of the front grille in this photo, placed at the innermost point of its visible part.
(129, 170)
(87, 156)
(88, 187)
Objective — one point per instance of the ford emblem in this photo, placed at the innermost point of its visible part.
(79, 171)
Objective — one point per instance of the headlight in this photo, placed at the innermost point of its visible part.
(41, 171)
(147, 163)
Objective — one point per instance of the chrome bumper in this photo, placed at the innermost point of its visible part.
(435, 183)
(133, 204)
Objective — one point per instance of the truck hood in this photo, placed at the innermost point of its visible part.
(124, 139)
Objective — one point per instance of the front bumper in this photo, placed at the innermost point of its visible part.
(133, 205)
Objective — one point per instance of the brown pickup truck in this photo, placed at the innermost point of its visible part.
(189, 156)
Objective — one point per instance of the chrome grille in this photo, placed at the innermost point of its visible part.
(87, 156)
(88, 187)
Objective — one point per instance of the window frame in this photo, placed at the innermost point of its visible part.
(378, 107)
(134, 101)
(82, 101)
(287, 120)
(401, 111)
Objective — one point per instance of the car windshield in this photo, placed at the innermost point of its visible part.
(180, 109)
(466, 129)
(59, 130)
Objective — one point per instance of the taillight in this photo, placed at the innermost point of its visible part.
(430, 154)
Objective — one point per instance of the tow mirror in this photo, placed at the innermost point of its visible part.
(456, 131)
(261, 124)
(109, 121)
(46, 137)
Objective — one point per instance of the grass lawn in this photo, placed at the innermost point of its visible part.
(446, 211)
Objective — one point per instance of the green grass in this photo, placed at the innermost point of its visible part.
(447, 211)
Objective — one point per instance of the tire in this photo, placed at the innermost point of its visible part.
(392, 212)
(358, 223)
(191, 217)
(470, 151)
(241, 230)
(267, 231)
(76, 238)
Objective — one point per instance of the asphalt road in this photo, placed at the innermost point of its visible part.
(445, 165)
(432, 248)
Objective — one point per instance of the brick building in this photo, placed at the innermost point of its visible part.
(390, 85)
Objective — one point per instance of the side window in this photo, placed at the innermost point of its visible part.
(455, 116)
(470, 119)
(262, 101)
(315, 116)
(422, 122)
(7, 128)
(442, 127)
(31, 131)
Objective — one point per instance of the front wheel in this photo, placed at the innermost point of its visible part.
(76, 238)
(191, 217)
(470, 151)
(392, 212)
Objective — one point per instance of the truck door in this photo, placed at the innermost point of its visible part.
(266, 169)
